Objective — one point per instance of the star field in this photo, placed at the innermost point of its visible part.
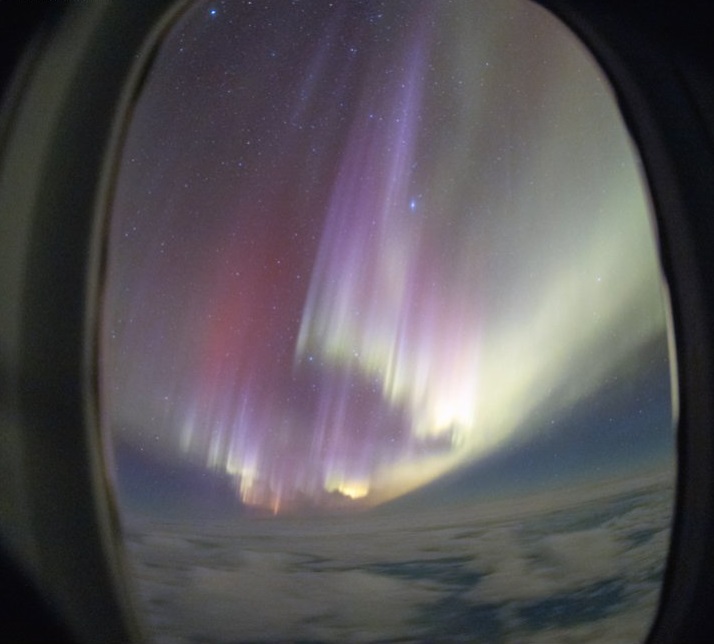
(357, 246)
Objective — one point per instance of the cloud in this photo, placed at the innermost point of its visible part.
(576, 567)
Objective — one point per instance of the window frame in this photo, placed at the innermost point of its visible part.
(60, 133)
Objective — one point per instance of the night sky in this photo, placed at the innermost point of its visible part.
(357, 246)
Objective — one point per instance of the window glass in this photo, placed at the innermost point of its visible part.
(384, 337)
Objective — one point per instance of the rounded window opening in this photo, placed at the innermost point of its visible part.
(385, 334)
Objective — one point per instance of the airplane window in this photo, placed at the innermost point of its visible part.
(385, 335)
